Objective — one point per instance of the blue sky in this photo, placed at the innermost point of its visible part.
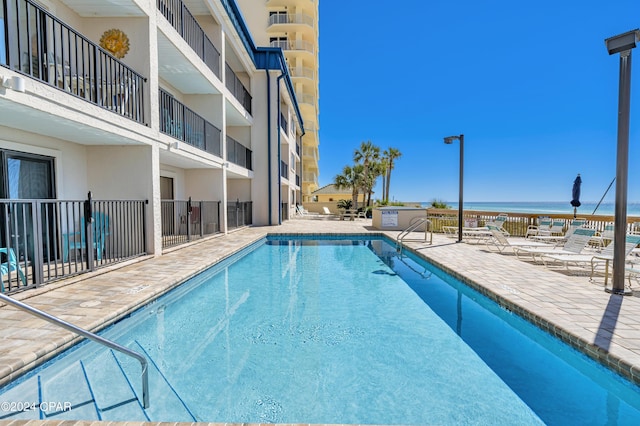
(531, 86)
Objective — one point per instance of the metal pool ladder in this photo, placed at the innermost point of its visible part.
(89, 335)
(413, 225)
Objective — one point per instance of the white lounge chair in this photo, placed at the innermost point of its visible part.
(574, 244)
(502, 243)
(594, 259)
(602, 239)
(542, 228)
(557, 237)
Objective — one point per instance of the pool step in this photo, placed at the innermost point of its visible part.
(93, 383)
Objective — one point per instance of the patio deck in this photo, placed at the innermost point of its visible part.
(570, 306)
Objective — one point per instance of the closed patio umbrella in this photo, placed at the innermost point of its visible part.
(575, 194)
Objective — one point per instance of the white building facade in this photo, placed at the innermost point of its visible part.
(168, 104)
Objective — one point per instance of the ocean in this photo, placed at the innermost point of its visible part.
(542, 207)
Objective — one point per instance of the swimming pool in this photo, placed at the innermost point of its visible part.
(329, 331)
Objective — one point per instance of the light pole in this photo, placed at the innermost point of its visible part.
(622, 44)
(449, 140)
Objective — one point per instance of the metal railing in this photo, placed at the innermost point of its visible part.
(301, 45)
(303, 72)
(238, 153)
(291, 18)
(186, 25)
(180, 122)
(89, 335)
(40, 45)
(413, 226)
(45, 240)
(185, 221)
(237, 89)
(239, 213)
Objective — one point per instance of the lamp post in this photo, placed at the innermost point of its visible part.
(622, 44)
(449, 140)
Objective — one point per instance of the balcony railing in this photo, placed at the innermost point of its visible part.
(294, 45)
(186, 25)
(238, 153)
(303, 72)
(239, 213)
(40, 45)
(237, 89)
(184, 221)
(46, 240)
(291, 18)
(180, 122)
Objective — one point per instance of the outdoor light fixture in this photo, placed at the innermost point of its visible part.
(449, 140)
(15, 83)
(622, 44)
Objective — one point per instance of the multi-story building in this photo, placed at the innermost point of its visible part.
(292, 25)
(164, 111)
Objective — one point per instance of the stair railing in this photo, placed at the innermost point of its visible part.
(89, 335)
(428, 231)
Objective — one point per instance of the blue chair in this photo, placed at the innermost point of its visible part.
(10, 264)
(77, 240)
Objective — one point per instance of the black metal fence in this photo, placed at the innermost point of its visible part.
(186, 25)
(45, 240)
(40, 45)
(180, 122)
(184, 221)
(237, 89)
(238, 153)
(239, 213)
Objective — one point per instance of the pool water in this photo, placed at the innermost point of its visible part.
(329, 331)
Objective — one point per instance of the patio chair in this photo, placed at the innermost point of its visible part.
(77, 240)
(606, 255)
(502, 243)
(542, 228)
(10, 263)
(574, 244)
(558, 237)
(602, 239)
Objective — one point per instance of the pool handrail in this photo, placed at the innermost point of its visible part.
(89, 335)
(413, 225)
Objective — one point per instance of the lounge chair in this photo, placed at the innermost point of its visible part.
(602, 239)
(594, 259)
(499, 241)
(574, 244)
(542, 228)
(556, 236)
(10, 264)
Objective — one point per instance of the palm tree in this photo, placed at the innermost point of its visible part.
(351, 177)
(368, 154)
(390, 155)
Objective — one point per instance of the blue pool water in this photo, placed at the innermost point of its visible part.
(329, 331)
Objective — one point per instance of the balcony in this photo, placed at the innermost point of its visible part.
(289, 22)
(303, 72)
(238, 153)
(237, 89)
(283, 123)
(43, 47)
(284, 169)
(186, 25)
(295, 45)
(178, 121)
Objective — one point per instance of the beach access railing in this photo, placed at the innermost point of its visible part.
(517, 223)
